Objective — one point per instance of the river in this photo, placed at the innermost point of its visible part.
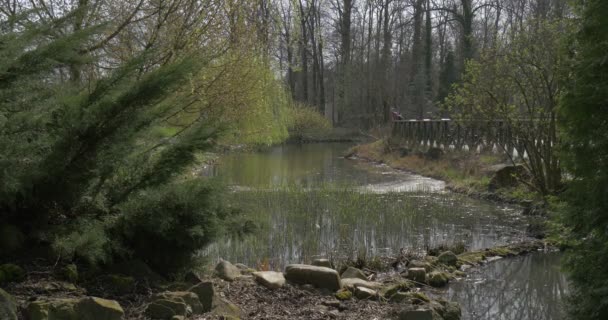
(308, 201)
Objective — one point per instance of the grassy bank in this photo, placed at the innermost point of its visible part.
(464, 172)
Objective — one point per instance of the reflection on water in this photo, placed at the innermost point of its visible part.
(309, 201)
(528, 287)
(298, 225)
(310, 165)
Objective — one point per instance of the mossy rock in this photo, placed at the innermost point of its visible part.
(414, 297)
(13, 272)
(446, 309)
(344, 294)
(226, 309)
(448, 258)
(92, 308)
(501, 252)
(206, 293)
(389, 291)
(8, 306)
(64, 309)
(472, 258)
(166, 309)
(438, 279)
(189, 298)
(69, 273)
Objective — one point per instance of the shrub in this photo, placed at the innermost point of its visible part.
(307, 123)
(166, 226)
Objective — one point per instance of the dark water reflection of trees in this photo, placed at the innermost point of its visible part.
(524, 288)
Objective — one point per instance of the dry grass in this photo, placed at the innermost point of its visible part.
(462, 170)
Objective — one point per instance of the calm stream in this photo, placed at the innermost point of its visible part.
(311, 202)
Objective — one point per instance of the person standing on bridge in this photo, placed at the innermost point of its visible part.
(396, 114)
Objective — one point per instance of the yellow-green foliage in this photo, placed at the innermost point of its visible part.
(306, 122)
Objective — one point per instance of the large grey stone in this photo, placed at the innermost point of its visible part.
(89, 308)
(205, 293)
(270, 279)
(99, 309)
(448, 258)
(64, 309)
(225, 309)
(438, 279)
(189, 298)
(417, 274)
(320, 277)
(166, 309)
(8, 306)
(365, 293)
(351, 272)
(227, 271)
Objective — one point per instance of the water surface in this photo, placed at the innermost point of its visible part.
(527, 287)
(308, 201)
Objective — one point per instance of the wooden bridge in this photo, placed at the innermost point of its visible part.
(470, 135)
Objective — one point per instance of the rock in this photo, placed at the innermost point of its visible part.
(356, 282)
(322, 263)
(448, 258)
(166, 309)
(351, 272)
(438, 279)
(507, 177)
(226, 309)
(447, 310)
(13, 272)
(205, 293)
(11, 239)
(93, 308)
(363, 293)
(176, 317)
(270, 279)
(69, 273)
(389, 291)
(192, 277)
(344, 294)
(64, 309)
(417, 274)
(189, 298)
(320, 277)
(420, 314)
(8, 306)
(420, 264)
(90, 308)
(54, 286)
(414, 297)
(227, 271)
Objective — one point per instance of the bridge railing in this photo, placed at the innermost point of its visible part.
(468, 135)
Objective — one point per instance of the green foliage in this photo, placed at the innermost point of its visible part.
(84, 166)
(584, 118)
(85, 239)
(306, 123)
(517, 82)
(175, 220)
